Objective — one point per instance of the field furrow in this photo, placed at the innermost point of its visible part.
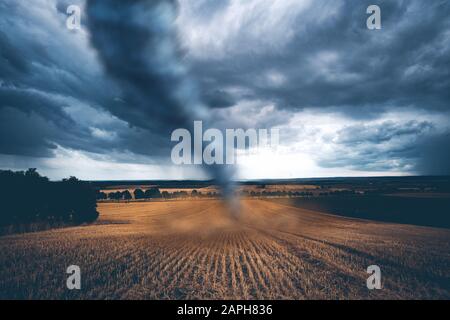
(198, 250)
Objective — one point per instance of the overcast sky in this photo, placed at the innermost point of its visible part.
(101, 102)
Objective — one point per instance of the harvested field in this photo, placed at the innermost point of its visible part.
(196, 249)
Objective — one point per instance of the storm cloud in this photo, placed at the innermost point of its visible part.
(301, 54)
(319, 55)
(53, 89)
(256, 63)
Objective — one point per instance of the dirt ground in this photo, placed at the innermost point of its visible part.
(209, 250)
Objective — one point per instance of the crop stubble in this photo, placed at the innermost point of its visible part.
(195, 250)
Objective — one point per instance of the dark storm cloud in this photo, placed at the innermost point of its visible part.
(324, 57)
(218, 99)
(412, 147)
(12, 61)
(435, 155)
(24, 141)
(332, 60)
(384, 132)
(53, 88)
(244, 58)
(137, 43)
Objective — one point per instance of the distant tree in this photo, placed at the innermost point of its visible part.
(183, 194)
(101, 195)
(139, 194)
(194, 193)
(152, 193)
(180, 194)
(165, 194)
(126, 195)
(112, 196)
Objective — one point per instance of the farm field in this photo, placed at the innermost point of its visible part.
(199, 249)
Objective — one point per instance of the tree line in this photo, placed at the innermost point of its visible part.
(27, 197)
(155, 193)
(151, 193)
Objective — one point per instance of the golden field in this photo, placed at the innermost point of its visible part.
(200, 249)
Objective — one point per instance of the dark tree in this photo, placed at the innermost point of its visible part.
(139, 194)
(152, 193)
(101, 195)
(27, 197)
(126, 195)
(115, 195)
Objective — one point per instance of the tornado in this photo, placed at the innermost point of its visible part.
(136, 42)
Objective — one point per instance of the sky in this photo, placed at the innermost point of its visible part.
(100, 103)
